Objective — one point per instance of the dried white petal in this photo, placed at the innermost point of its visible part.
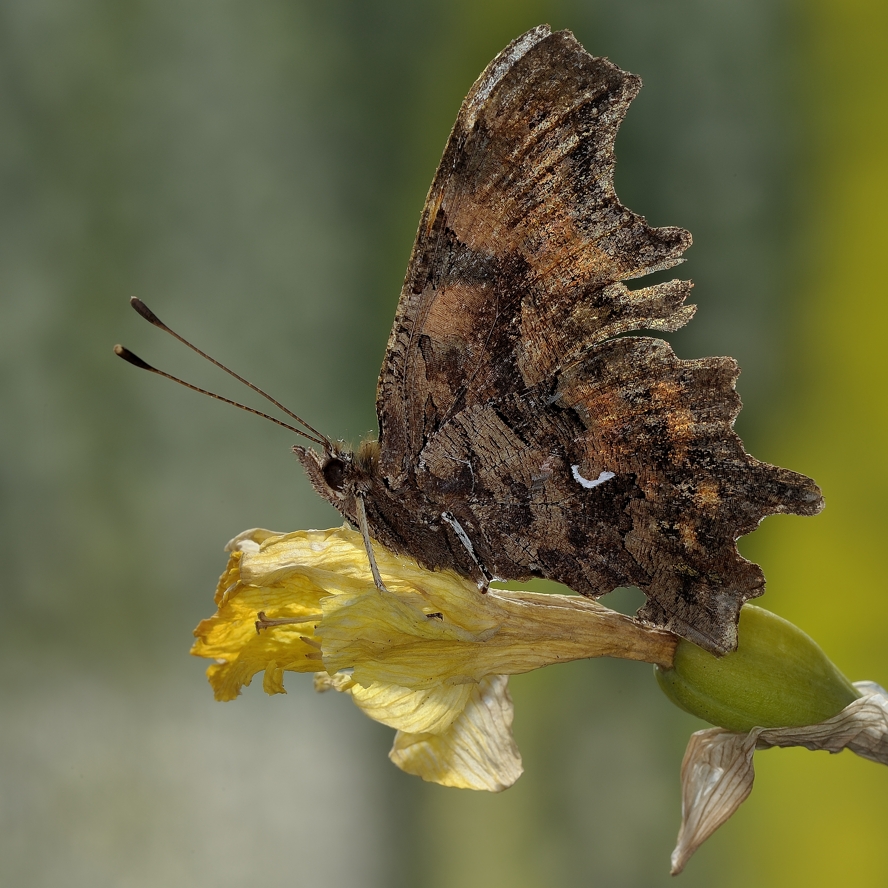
(717, 771)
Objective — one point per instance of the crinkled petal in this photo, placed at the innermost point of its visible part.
(324, 682)
(230, 636)
(433, 628)
(717, 772)
(393, 639)
(477, 752)
(429, 710)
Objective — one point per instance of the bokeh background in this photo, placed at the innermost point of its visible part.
(255, 173)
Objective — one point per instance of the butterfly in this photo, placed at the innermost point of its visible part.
(522, 431)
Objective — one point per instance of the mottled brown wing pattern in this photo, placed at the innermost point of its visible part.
(522, 244)
(683, 488)
(508, 389)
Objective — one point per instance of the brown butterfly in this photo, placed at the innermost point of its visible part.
(521, 433)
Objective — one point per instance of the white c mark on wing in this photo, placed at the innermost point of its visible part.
(604, 476)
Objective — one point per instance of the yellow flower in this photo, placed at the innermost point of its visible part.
(431, 656)
(428, 657)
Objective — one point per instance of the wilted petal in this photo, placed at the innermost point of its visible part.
(253, 583)
(338, 682)
(390, 638)
(477, 752)
(434, 628)
(717, 772)
(424, 711)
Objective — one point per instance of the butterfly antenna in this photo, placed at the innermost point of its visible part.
(316, 436)
(136, 361)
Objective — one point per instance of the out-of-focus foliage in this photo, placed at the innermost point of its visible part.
(828, 575)
(255, 173)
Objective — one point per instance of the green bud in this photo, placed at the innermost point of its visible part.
(778, 677)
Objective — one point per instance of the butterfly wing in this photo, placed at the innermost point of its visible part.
(521, 244)
(508, 389)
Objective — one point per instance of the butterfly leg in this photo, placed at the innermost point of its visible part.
(463, 537)
(365, 533)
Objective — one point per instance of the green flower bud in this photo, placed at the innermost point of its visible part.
(778, 677)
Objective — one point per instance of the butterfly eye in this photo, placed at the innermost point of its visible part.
(334, 473)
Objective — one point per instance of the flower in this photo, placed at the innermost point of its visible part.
(429, 656)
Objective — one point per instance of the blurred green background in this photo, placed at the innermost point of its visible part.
(255, 173)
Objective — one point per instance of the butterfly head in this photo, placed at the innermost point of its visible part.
(340, 474)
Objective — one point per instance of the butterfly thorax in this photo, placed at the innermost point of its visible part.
(400, 517)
